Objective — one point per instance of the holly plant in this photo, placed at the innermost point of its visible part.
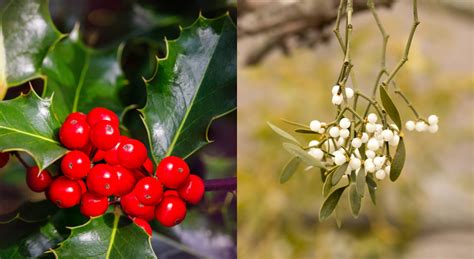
(105, 183)
(365, 141)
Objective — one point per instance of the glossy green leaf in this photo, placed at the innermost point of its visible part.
(30, 212)
(355, 200)
(289, 169)
(108, 236)
(398, 161)
(283, 133)
(26, 35)
(82, 78)
(330, 203)
(27, 124)
(302, 154)
(195, 84)
(390, 107)
(360, 182)
(340, 171)
(372, 186)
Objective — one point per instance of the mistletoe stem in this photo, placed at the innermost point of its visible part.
(223, 184)
(21, 160)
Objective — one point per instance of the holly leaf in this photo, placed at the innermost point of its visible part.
(82, 78)
(193, 85)
(398, 161)
(26, 35)
(390, 107)
(27, 124)
(109, 236)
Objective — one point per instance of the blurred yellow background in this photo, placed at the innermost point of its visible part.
(429, 211)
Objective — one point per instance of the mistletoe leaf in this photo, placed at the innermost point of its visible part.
(194, 85)
(355, 200)
(327, 184)
(390, 107)
(107, 236)
(330, 203)
(398, 161)
(303, 155)
(372, 186)
(283, 133)
(26, 34)
(82, 78)
(360, 182)
(27, 124)
(340, 171)
(305, 131)
(289, 169)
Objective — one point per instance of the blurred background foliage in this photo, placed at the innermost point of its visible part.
(429, 211)
(141, 26)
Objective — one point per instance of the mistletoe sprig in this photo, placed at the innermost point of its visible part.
(363, 144)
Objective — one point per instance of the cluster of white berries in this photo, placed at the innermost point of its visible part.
(337, 97)
(337, 142)
(421, 126)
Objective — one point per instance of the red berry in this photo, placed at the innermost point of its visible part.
(75, 165)
(99, 155)
(102, 180)
(83, 186)
(132, 153)
(148, 166)
(171, 193)
(76, 116)
(104, 135)
(111, 155)
(102, 114)
(144, 225)
(64, 192)
(192, 190)
(148, 213)
(38, 182)
(172, 171)
(74, 134)
(93, 205)
(4, 157)
(149, 191)
(125, 180)
(138, 174)
(171, 211)
(131, 206)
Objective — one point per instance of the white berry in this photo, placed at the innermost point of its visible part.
(349, 92)
(387, 169)
(321, 131)
(394, 141)
(356, 142)
(380, 174)
(334, 132)
(313, 143)
(372, 118)
(433, 119)
(433, 128)
(339, 159)
(341, 141)
(370, 127)
(344, 133)
(355, 163)
(373, 144)
(337, 99)
(410, 125)
(364, 138)
(316, 153)
(369, 165)
(345, 123)
(315, 125)
(378, 161)
(335, 89)
(394, 126)
(387, 135)
(369, 154)
(421, 126)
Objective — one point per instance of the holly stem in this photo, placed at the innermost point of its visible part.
(222, 184)
(21, 160)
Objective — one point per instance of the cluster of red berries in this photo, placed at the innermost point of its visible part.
(105, 167)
